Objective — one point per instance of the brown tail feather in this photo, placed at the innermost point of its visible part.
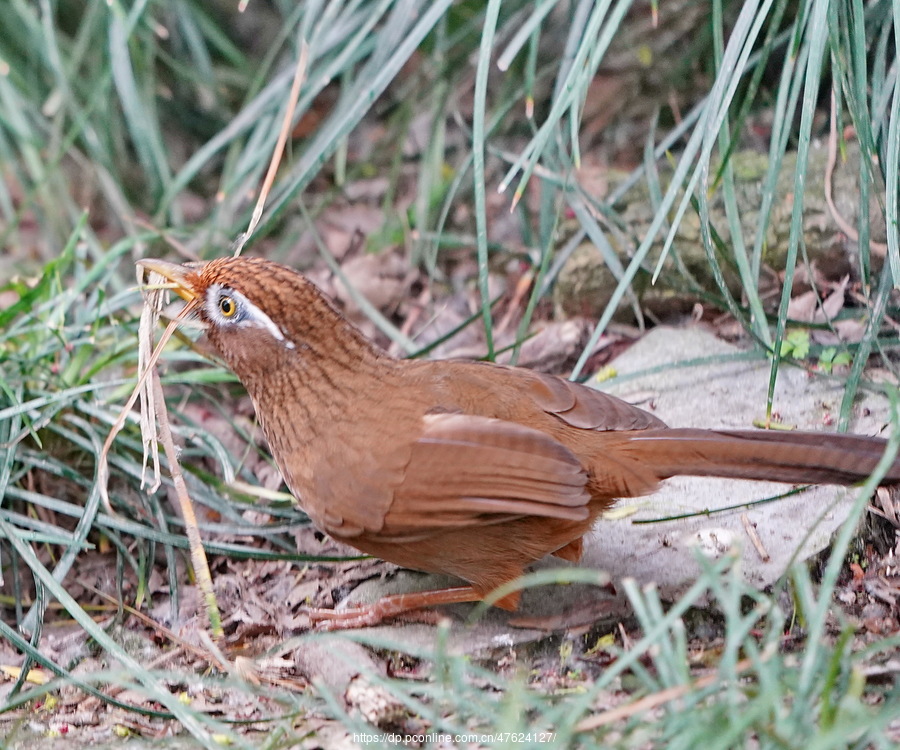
(779, 456)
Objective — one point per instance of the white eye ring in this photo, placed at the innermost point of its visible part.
(228, 307)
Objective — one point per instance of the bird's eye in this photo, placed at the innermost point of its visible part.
(227, 306)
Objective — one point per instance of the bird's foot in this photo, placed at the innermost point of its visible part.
(413, 607)
(327, 620)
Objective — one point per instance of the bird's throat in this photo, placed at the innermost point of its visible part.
(298, 391)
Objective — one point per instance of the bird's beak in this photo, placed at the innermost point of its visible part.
(174, 273)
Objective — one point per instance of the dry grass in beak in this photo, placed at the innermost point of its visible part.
(154, 421)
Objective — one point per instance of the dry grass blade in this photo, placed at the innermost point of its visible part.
(655, 700)
(146, 333)
(150, 312)
(198, 554)
(299, 76)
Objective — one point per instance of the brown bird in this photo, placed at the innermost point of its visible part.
(465, 468)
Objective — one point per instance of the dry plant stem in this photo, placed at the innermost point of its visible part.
(103, 469)
(299, 75)
(523, 285)
(415, 313)
(153, 304)
(878, 248)
(750, 530)
(652, 701)
(198, 554)
(157, 627)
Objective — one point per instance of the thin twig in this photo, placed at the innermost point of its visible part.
(157, 627)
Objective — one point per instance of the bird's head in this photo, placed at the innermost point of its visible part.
(257, 313)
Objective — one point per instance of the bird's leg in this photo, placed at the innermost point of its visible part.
(387, 607)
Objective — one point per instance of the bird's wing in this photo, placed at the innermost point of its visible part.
(467, 470)
(353, 474)
(582, 406)
(480, 386)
